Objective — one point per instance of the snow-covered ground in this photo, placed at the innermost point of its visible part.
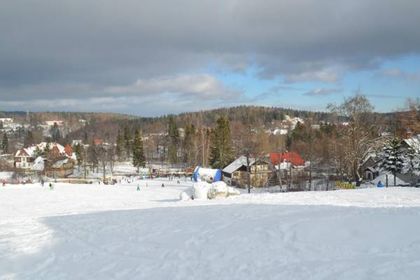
(116, 232)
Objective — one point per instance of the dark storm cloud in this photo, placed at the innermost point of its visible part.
(77, 49)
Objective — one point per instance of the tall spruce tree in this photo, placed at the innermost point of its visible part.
(188, 148)
(55, 133)
(411, 165)
(127, 142)
(173, 138)
(392, 158)
(221, 153)
(139, 159)
(5, 143)
(92, 155)
(29, 139)
(78, 150)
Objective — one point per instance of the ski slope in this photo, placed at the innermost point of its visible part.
(116, 232)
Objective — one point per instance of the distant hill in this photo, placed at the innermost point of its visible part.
(105, 125)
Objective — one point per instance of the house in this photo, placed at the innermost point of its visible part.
(236, 174)
(54, 122)
(292, 158)
(33, 158)
(412, 143)
(24, 158)
(60, 168)
(369, 167)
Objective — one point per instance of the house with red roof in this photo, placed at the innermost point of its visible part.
(287, 157)
(60, 159)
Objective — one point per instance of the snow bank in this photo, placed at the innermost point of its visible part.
(184, 196)
(200, 190)
(203, 190)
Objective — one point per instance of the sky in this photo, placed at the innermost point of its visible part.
(154, 57)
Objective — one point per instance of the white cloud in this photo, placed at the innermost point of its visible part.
(197, 86)
(322, 91)
(324, 75)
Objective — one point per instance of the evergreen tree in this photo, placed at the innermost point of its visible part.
(47, 150)
(127, 141)
(221, 153)
(29, 139)
(188, 148)
(392, 158)
(411, 163)
(120, 145)
(173, 136)
(92, 154)
(79, 153)
(139, 159)
(38, 152)
(55, 133)
(5, 143)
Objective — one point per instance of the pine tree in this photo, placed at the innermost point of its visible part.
(55, 133)
(29, 139)
(5, 143)
(221, 153)
(127, 141)
(139, 159)
(79, 154)
(92, 154)
(392, 158)
(188, 144)
(38, 152)
(411, 163)
(173, 136)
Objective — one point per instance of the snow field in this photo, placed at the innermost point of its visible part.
(116, 232)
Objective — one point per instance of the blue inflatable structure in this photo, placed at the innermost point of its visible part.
(207, 174)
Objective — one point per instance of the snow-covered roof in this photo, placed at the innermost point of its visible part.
(414, 143)
(60, 163)
(38, 164)
(238, 163)
(371, 155)
(30, 151)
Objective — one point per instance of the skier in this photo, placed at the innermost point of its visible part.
(163, 185)
(42, 182)
(138, 187)
(380, 185)
(51, 186)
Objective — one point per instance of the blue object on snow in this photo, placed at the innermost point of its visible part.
(380, 185)
(204, 174)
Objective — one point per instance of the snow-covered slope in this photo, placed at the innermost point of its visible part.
(116, 232)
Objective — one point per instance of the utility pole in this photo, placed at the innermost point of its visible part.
(84, 162)
(203, 147)
(248, 172)
(290, 175)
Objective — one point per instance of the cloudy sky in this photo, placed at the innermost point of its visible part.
(153, 57)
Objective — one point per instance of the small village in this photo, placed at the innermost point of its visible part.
(384, 160)
(209, 140)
